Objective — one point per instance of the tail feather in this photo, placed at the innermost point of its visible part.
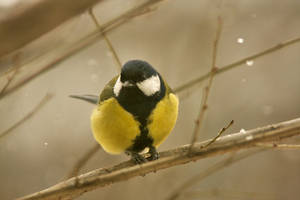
(89, 98)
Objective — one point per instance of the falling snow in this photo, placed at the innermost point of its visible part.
(240, 40)
(249, 62)
(242, 131)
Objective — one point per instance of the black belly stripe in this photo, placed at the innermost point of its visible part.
(142, 141)
(140, 106)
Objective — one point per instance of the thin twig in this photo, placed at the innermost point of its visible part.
(88, 155)
(76, 186)
(83, 160)
(237, 63)
(209, 171)
(16, 60)
(279, 146)
(219, 134)
(28, 116)
(109, 44)
(204, 106)
(85, 42)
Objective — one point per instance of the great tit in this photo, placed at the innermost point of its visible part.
(136, 110)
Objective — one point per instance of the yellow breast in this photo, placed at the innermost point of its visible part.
(163, 119)
(113, 127)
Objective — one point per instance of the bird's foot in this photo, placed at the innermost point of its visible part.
(153, 154)
(136, 157)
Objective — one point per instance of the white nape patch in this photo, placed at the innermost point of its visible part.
(150, 86)
(117, 87)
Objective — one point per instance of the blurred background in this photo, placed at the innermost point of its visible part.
(176, 37)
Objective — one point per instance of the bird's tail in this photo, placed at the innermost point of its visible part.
(89, 98)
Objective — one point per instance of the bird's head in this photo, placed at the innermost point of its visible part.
(138, 74)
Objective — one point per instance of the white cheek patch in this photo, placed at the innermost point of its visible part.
(150, 86)
(117, 87)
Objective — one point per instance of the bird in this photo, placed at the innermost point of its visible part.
(135, 111)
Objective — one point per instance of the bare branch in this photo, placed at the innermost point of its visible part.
(86, 41)
(279, 146)
(31, 19)
(204, 106)
(237, 63)
(28, 116)
(109, 44)
(76, 186)
(219, 134)
(16, 60)
(83, 160)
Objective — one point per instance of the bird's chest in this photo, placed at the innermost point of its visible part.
(137, 104)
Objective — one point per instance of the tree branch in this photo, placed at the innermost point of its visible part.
(236, 64)
(230, 143)
(16, 60)
(108, 42)
(204, 99)
(31, 19)
(279, 146)
(84, 42)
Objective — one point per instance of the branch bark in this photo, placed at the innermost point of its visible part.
(76, 186)
(31, 19)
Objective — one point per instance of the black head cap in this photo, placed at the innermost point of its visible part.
(136, 71)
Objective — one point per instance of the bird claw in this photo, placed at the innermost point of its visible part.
(153, 154)
(136, 157)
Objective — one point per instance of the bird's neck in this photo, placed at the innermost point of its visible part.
(137, 103)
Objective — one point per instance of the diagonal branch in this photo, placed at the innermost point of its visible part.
(16, 60)
(237, 63)
(28, 20)
(76, 186)
(85, 42)
(109, 44)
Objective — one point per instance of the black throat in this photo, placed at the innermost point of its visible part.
(133, 100)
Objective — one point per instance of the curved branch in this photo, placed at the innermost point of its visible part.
(76, 186)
